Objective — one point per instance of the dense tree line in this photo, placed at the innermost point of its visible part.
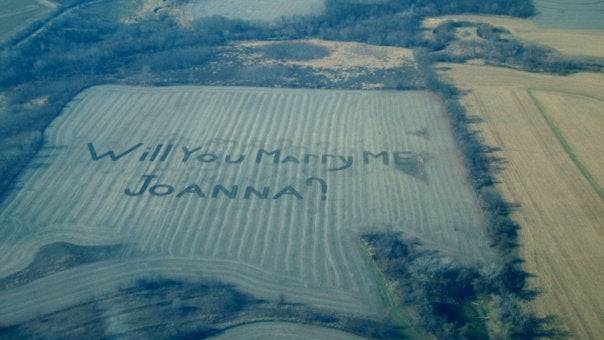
(506, 283)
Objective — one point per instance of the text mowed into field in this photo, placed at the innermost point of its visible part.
(268, 189)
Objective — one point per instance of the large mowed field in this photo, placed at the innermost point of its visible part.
(549, 129)
(16, 15)
(267, 189)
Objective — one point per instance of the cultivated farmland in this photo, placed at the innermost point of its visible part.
(267, 189)
(549, 129)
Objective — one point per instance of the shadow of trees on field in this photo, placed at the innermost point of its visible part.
(157, 307)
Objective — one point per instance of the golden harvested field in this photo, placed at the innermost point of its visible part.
(572, 42)
(583, 123)
(549, 130)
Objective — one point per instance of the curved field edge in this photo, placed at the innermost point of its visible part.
(104, 276)
(283, 330)
(168, 307)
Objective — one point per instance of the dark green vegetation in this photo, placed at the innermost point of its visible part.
(294, 51)
(166, 308)
(88, 45)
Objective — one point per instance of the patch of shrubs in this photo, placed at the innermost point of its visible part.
(498, 47)
(448, 295)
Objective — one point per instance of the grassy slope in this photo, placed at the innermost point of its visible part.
(16, 15)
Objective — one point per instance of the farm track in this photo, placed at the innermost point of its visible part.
(301, 249)
(43, 25)
(560, 213)
(567, 147)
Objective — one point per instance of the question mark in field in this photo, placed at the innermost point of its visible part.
(323, 186)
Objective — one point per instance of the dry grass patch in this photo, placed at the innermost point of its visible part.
(345, 55)
(547, 129)
(387, 159)
(344, 60)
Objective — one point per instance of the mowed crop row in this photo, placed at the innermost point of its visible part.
(549, 131)
(278, 241)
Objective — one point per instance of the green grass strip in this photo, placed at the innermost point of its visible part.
(399, 315)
